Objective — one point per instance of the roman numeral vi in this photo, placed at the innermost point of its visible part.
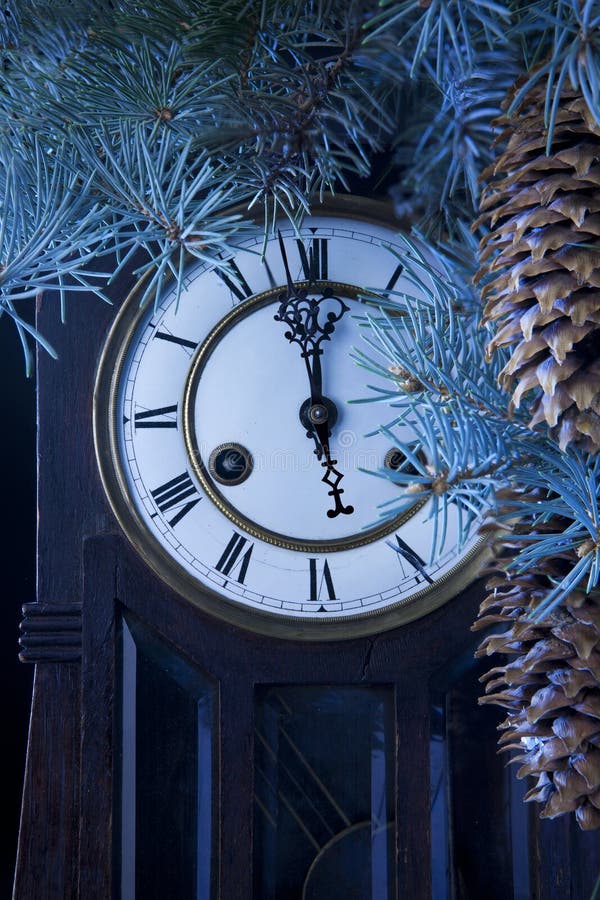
(317, 584)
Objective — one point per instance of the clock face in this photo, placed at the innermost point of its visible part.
(235, 462)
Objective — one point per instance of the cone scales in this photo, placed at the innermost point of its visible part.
(540, 265)
(550, 686)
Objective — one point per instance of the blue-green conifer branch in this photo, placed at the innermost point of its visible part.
(449, 419)
(134, 128)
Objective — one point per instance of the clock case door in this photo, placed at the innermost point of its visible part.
(104, 622)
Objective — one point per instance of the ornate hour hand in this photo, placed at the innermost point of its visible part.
(312, 320)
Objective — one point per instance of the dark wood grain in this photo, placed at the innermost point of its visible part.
(70, 505)
(585, 861)
(47, 859)
(413, 786)
(65, 850)
(71, 502)
(236, 793)
(480, 795)
(552, 860)
(97, 722)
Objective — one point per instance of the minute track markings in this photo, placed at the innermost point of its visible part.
(275, 577)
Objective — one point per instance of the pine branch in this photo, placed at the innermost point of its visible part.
(450, 418)
(130, 127)
(569, 33)
(451, 141)
(167, 201)
(50, 232)
(459, 442)
(429, 28)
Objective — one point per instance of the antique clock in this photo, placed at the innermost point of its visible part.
(250, 683)
(233, 459)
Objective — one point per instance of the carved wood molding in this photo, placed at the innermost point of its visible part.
(50, 632)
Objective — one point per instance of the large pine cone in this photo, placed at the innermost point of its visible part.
(551, 688)
(541, 265)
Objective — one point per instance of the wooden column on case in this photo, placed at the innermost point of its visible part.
(70, 505)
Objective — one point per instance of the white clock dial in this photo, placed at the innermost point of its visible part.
(236, 463)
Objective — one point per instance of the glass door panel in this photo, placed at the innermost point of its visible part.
(166, 772)
(324, 793)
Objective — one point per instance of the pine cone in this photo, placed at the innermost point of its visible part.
(551, 688)
(542, 263)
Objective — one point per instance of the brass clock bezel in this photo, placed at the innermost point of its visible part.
(312, 629)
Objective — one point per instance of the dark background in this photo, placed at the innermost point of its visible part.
(17, 561)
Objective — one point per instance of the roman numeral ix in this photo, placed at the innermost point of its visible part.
(161, 417)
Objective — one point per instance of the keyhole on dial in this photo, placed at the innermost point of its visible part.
(230, 463)
(394, 460)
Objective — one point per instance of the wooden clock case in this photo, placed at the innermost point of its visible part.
(91, 581)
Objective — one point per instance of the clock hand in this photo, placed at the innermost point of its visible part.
(332, 476)
(301, 313)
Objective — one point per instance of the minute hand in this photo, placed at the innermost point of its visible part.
(301, 314)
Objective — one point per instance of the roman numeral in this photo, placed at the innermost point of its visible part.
(411, 556)
(162, 417)
(233, 558)
(317, 583)
(238, 285)
(314, 259)
(173, 339)
(173, 494)
(395, 276)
